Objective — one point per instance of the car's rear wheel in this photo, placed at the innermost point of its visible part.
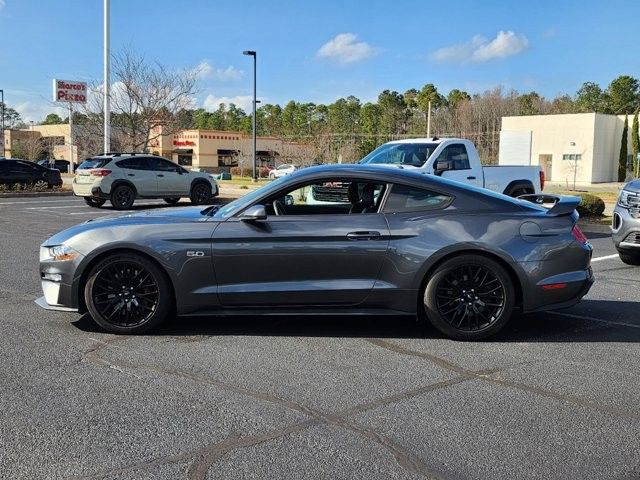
(122, 197)
(171, 201)
(469, 297)
(94, 202)
(128, 293)
(630, 258)
(200, 194)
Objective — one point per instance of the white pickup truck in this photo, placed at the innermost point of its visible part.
(457, 159)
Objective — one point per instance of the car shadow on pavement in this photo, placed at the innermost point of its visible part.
(570, 325)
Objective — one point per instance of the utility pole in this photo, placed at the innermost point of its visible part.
(105, 81)
(429, 120)
(72, 166)
(252, 53)
(2, 102)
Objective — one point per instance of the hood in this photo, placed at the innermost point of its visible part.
(160, 215)
(633, 186)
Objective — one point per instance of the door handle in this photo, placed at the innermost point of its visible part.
(471, 178)
(160, 175)
(363, 235)
(131, 174)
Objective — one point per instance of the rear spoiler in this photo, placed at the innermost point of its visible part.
(557, 205)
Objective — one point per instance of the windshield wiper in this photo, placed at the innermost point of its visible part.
(210, 210)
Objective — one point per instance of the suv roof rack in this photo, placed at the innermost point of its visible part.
(119, 154)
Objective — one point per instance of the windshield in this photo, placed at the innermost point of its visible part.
(247, 199)
(413, 154)
(93, 163)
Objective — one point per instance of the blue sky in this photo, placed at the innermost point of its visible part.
(323, 50)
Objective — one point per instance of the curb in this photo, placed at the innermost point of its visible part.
(35, 194)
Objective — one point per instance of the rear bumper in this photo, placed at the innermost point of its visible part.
(567, 296)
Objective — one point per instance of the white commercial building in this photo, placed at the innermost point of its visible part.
(581, 146)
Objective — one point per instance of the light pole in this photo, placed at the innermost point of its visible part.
(105, 81)
(2, 103)
(253, 121)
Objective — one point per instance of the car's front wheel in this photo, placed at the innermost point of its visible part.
(94, 202)
(469, 297)
(122, 197)
(128, 293)
(200, 194)
(630, 258)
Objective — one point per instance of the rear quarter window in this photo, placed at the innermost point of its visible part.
(94, 163)
(404, 198)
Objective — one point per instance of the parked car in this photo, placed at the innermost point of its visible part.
(626, 223)
(281, 171)
(25, 172)
(121, 178)
(61, 165)
(462, 256)
(457, 159)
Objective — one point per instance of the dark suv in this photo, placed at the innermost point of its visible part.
(15, 171)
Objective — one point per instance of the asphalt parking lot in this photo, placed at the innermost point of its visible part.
(553, 396)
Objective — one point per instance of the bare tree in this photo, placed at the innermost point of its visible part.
(145, 100)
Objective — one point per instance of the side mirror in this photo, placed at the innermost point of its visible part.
(442, 166)
(254, 213)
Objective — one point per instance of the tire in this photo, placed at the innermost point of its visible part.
(630, 258)
(469, 297)
(122, 197)
(94, 202)
(200, 194)
(127, 293)
(171, 201)
(272, 176)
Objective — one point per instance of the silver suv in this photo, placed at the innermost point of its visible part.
(626, 223)
(121, 178)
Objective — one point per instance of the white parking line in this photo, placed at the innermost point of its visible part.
(593, 319)
(608, 257)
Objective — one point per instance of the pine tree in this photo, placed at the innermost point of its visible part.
(635, 143)
(622, 160)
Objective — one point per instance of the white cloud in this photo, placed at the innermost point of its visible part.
(481, 49)
(245, 102)
(37, 111)
(206, 70)
(2, 4)
(344, 48)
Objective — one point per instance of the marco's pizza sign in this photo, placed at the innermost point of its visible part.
(69, 91)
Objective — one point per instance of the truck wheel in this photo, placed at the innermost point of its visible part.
(469, 297)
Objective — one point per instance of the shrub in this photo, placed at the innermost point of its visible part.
(590, 205)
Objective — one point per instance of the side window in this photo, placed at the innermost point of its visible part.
(456, 157)
(403, 198)
(161, 165)
(133, 163)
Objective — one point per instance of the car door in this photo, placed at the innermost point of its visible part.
(456, 157)
(138, 171)
(24, 172)
(172, 179)
(310, 259)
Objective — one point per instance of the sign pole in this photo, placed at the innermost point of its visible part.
(71, 138)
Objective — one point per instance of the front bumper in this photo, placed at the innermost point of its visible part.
(42, 302)
(625, 230)
(59, 284)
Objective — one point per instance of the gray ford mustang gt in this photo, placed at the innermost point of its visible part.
(333, 239)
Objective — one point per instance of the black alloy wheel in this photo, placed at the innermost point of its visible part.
(127, 293)
(122, 197)
(171, 201)
(469, 298)
(41, 185)
(200, 194)
(94, 202)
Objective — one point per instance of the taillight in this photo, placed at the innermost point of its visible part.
(99, 172)
(542, 180)
(578, 235)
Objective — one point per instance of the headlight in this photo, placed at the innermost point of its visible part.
(623, 199)
(58, 253)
